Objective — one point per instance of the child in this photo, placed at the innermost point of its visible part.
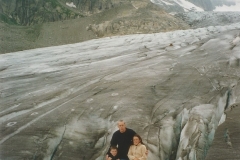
(113, 154)
(137, 150)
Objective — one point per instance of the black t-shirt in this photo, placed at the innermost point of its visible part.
(123, 141)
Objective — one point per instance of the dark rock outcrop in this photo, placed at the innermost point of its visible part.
(94, 6)
(226, 144)
(29, 12)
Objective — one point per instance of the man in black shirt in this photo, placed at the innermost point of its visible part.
(123, 139)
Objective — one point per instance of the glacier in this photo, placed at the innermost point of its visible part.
(63, 102)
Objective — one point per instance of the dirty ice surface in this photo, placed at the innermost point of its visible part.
(172, 88)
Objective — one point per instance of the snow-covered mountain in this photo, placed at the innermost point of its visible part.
(234, 6)
(198, 5)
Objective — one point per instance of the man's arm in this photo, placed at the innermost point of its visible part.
(113, 142)
(108, 158)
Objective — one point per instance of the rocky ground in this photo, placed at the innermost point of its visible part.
(226, 144)
(172, 88)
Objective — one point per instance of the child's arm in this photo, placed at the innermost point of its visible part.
(130, 153)
(143, 152)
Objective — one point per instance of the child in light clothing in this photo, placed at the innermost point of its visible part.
(137, 151)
